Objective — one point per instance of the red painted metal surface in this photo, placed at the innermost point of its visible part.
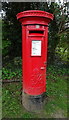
(34, 50)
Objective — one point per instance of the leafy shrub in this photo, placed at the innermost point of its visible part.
(9, 74)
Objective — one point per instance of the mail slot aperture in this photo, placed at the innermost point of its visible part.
(36, 32)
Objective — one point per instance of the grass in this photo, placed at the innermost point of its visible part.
(12, 106)
(56, 105)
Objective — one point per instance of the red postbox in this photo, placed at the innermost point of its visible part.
(34, 50)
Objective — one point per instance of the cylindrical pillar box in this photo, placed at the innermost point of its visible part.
(34, 56)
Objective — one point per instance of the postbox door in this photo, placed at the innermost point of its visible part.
(38, 63)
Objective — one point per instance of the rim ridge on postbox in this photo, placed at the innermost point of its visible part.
(34, 13)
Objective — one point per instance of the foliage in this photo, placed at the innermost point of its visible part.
(63, 49)
(12, 69)
(56, 102)
(9, 74)
(6, 43)
(56, 106)
(12, 28)
(54, 69)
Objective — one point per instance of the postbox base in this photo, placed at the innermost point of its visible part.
(33, 103)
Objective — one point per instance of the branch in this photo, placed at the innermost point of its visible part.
(64, 30)
(10, 81)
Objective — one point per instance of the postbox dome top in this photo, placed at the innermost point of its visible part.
(31, 13)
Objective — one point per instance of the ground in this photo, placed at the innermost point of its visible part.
(56, 101)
